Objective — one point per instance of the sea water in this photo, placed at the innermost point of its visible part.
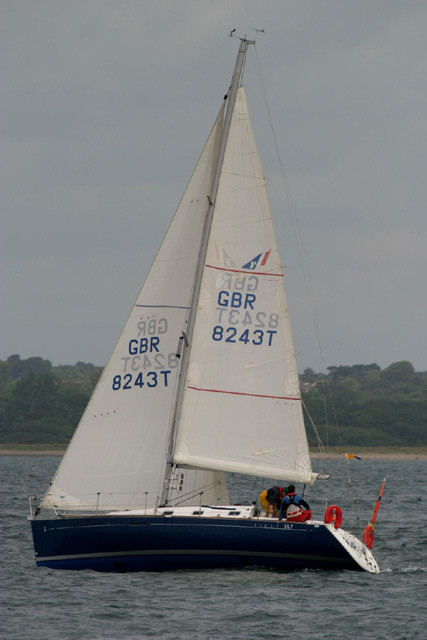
(249, 603)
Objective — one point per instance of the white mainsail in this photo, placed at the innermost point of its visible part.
(117, 457)
(241, 408)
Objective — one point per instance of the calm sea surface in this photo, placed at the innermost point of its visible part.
(227, 604)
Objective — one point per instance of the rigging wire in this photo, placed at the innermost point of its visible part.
(302, 254)
(305, 269)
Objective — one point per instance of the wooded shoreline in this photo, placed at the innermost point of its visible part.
(375, 411)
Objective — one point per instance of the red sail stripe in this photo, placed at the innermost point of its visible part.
(239, 393)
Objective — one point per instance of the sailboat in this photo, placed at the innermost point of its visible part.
(202, 381)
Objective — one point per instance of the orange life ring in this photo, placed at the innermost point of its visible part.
(368, 535)
(333, 514)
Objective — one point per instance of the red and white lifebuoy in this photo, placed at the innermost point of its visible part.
(333, 514)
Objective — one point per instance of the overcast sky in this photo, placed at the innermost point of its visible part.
(105, 108)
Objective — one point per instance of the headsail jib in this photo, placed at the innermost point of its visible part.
(114, 461)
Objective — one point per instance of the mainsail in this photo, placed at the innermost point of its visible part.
(241, 409)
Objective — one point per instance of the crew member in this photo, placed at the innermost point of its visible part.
(293, 506)
(271, 499)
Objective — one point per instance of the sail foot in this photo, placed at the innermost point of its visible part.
(279, 473)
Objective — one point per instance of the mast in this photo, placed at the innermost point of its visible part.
(187, 335)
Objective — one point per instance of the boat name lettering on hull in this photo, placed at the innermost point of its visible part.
(351, 543)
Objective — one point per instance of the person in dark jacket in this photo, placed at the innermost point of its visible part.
(271, 499)
(293, 506)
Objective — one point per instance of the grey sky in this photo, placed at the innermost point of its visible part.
(105, 107)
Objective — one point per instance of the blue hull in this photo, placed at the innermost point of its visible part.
(156, 543)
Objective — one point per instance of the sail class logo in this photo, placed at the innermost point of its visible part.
(258, 261)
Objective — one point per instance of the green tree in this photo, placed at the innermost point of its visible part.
(398, 372)
(45, 407)
(21, 368)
